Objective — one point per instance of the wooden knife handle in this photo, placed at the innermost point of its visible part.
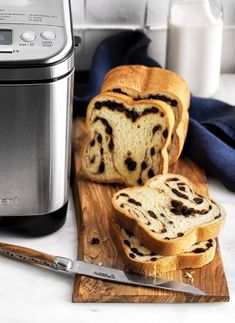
(27, 254)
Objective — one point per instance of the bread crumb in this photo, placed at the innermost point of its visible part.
(189, 276)
(100, 264)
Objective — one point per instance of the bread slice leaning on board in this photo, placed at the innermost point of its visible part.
(127, 140)
(139, 259)
(141, 82)
(168, 214)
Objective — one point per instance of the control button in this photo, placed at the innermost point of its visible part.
(28, 36)
(48, 35)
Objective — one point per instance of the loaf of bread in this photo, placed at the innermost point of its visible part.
(139, 259)
(127, 140)
(141, 82)
(168, 214)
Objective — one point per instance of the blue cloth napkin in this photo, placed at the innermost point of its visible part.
(211, 135)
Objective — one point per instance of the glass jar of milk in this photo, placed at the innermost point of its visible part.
(194, 44)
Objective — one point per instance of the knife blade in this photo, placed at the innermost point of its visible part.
(120, 276)
(67, 265)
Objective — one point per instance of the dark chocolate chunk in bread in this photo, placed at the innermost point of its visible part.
(92, 142)
(179, 194)
(152, 151)
(198, 200)
(165, 133)
(119, 91)
(99, 138)
(199, 250)
(102, 167)
(137, 252)
(173, 103)
(132, 255)
(152, 214)
(111, 145)
(129, 233)
(124, 194)
(140, 181)
(180, 234)
(157, 128)
(127, 243)
(131, 164)
(98, 105)
(150, 173)
(130, 200)
(143, 165)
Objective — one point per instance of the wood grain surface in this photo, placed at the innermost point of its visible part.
(25, 252)
(94, 208)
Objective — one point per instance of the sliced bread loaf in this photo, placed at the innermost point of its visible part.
(141, 82)
(168, 214)
(139, 259)
(127, 140)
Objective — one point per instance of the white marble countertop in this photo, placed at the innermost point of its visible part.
(31, 295)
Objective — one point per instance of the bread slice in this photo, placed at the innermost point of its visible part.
(139, 259)
(141, 82)
(127, 140)
(168, 214)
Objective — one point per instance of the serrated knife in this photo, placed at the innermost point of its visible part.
(100, 272)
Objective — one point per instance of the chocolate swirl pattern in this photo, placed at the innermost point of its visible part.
(141, 83)
(127, 140)
(168, 214)
(140, 259)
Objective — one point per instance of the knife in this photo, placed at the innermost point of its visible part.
(100, 272)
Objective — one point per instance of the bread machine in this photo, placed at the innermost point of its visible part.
(36, 92)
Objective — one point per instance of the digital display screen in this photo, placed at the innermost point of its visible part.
(5, 37)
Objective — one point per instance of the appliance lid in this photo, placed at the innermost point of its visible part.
(34, 34)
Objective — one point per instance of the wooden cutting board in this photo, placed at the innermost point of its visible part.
(94, 208)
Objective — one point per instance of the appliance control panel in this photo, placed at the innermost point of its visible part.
(34, 30)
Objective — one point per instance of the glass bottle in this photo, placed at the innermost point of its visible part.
(194, 43)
